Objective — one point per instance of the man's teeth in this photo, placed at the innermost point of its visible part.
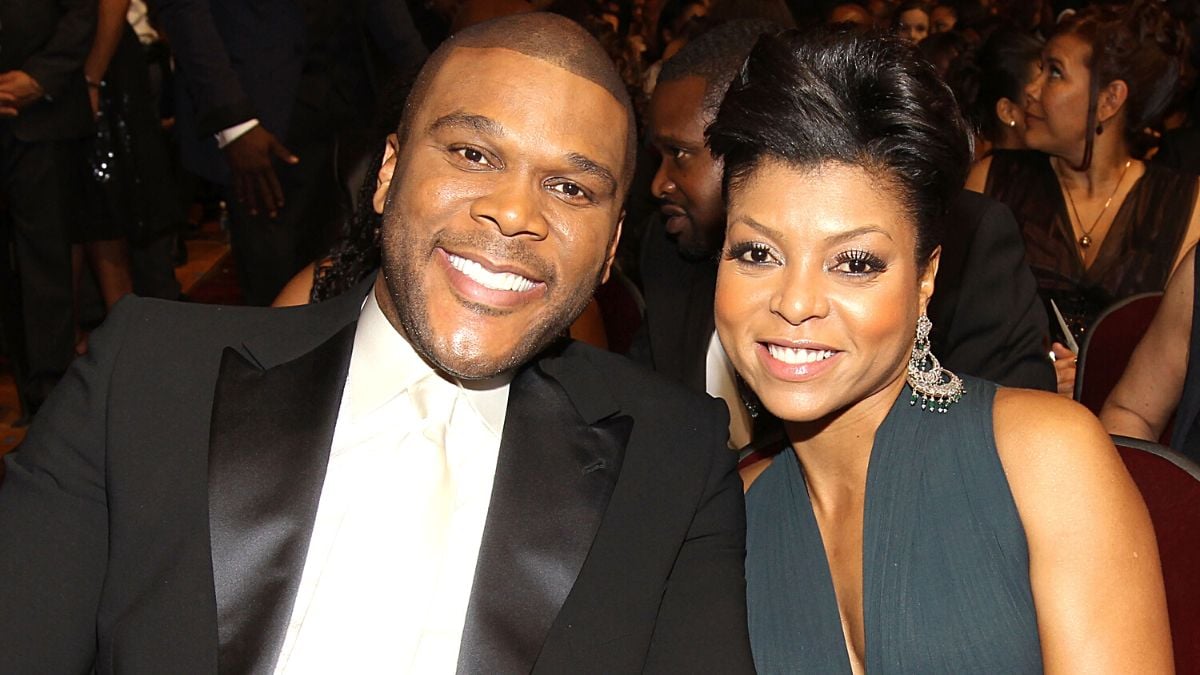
(496, 281)
(793, 356)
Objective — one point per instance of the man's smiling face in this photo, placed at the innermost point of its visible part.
(503, 214)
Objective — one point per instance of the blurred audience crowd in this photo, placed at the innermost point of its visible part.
(124, 124)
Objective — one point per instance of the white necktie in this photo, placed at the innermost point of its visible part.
(434, 400)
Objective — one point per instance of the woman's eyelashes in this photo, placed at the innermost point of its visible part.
(858, 263)
(855, 263)
(753, 253)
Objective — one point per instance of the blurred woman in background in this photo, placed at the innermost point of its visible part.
(1099, 223)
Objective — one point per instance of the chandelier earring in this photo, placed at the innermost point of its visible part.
(936, 387)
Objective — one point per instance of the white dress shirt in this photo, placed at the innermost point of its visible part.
(376, 595)
(720, 380)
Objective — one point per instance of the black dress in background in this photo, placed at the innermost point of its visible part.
(1136, 256)
(131, 191)
(945, 559)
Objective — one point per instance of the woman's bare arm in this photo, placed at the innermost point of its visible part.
(1093, 559)
(1142, 402)
(298, 291)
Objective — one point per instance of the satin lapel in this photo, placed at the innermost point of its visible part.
(271, 433)
(559, 461)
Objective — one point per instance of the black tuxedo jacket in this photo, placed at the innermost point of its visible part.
(156, 519)
(987, 318)
(49, 40)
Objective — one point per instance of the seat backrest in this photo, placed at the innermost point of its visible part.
(1108, 345)
(1170, 486)
(622, 307)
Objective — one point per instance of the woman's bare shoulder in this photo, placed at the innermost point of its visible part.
(751, 472)
(1041, 427)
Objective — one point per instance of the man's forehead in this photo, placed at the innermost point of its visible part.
(504, 66)
(508, 87)
(678, 104)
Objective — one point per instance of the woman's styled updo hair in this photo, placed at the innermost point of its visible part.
(1139, 44)
(830, 95)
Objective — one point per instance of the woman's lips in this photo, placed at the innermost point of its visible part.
(796, 363)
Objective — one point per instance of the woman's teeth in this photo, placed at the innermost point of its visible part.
(794, 356)
(496, 281)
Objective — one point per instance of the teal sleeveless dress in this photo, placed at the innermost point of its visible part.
(945, 560)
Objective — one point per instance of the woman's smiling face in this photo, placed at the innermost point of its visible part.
(819, 289)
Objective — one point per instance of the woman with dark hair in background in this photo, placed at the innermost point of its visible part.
(916, 522)
(911, 20)
(990, 86)
(1099, 224)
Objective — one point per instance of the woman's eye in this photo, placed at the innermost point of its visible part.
(859, 263)
(473, 156)
(753, 254)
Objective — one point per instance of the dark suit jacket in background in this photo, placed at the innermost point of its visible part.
(239, 60)
(156, 518)
(987, 318)
(49, 40)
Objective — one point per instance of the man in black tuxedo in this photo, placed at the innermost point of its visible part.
(987, 318)
(190, 509)
(271, 91)
(44, 114)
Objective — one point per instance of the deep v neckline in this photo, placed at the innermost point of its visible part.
(1104, 252)
(874, 545)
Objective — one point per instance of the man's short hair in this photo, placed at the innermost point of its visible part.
(716, 56)
(543, 36)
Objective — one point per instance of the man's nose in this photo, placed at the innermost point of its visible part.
(662, 186)
(513, 208)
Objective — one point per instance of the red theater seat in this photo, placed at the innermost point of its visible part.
(1170, 485)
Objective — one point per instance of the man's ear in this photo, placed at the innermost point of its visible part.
(386, 169)
(1110, 100)
(926, 285)
(612, 248)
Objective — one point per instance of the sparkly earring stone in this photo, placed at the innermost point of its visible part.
(935, 387)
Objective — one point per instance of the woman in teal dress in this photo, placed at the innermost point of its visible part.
(918, 523)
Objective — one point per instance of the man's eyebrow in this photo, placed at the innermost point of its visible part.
(593, 168)
(462, 120)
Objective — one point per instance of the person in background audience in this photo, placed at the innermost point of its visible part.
(132, 210)
(911, 20)
(916, 521)
(1163, 376)
(943, 50)
(990, 86)
(852, 13)
(44, 117)
(417, 476)
(942, 18)
(1099, 223)
(274, 94)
